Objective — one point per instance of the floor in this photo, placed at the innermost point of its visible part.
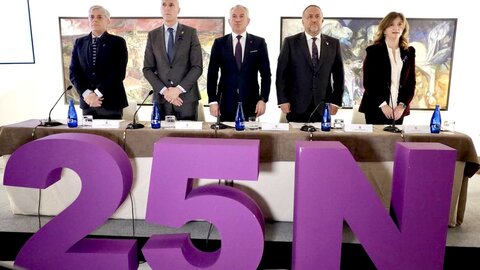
(467, 235)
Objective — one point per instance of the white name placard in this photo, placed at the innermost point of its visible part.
(416, 129)
(105, 123)
(358, 128)
(188, 125)
(275, 126)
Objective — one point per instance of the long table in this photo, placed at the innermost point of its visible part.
(373, 151)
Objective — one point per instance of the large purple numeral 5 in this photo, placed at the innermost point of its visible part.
(106, 176)
(172, 202)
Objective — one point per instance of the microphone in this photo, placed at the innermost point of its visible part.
(218, 125)
(49, 122)
(134, 124)
(307, 127)
(392, 128)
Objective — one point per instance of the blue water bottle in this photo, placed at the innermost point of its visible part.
(436, 121)
(72, 115)
(239, 118)
(155, 122)
(326, 119)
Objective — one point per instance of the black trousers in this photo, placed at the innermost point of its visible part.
(305, 117)
(102, 113)
(378, 118)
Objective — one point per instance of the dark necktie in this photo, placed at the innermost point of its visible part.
(314, 52)
(170, 49)
(238, 52)
(94, 50)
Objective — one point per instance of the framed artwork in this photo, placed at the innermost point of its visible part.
(433, 40)
(135, 31)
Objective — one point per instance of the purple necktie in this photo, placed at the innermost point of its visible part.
(238, 52)
(314, 52)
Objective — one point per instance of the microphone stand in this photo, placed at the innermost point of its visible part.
(217, 125)
(49, 122)
(307, 127)
(134, 124)
(392, 128)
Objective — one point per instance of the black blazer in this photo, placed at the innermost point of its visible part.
(245, 80)
(377, 78)
(298, 82)
(109, 71)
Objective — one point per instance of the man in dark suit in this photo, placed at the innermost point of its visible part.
(173, 64)
(97, 69)
(309, 71)
(239, 79)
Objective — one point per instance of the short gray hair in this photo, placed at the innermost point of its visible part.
(240, 6)
(102, 9)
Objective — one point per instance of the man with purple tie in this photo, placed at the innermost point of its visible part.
(310, 71)
(240, 57)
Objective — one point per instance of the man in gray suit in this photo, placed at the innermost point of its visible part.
(173, 64)
(307, 64)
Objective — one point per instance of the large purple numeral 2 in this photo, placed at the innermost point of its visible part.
(330, 188)
(172, 202)
(106, 176)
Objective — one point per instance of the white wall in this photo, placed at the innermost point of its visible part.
(29, 91)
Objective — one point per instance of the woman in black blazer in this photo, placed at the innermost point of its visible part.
(389, 73)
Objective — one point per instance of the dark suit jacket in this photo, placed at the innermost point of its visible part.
(298, 82)
(185, 68)
(377, 78)
(109, 71)
(245, 80)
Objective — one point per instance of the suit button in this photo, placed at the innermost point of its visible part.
(171, 67)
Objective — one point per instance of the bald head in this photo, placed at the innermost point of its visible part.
(312, 20)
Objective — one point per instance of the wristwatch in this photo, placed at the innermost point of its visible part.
(403, 105)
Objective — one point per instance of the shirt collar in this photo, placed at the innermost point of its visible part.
(244, 35)
(93, 36)
(175, 26)
(310, 37)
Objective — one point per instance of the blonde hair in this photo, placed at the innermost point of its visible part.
(386, 22)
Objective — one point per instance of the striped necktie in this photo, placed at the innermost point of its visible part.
(94, 50)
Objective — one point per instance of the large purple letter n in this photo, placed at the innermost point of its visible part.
(330, 188)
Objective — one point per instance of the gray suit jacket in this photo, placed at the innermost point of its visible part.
(185, 68)
(298, 82)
